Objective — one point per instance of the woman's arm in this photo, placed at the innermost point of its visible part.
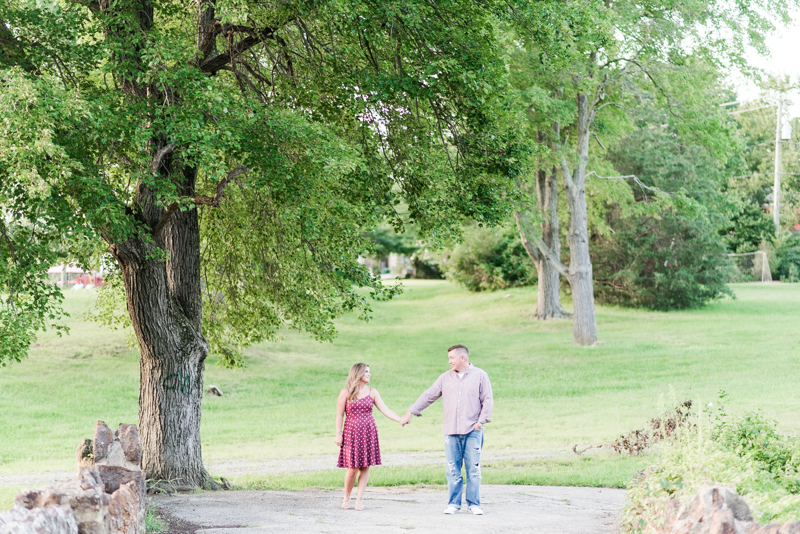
(383, 408)
(340, 416)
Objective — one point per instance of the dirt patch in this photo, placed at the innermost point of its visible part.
(176, 525)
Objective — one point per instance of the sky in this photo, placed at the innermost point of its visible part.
(784, 46)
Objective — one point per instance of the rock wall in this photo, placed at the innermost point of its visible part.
(716, 510)
(107, 497)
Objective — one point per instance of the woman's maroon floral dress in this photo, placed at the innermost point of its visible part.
(360, 435)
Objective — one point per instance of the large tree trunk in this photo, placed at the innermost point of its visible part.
(162, 285)
(162, 273)
(584, 326)
(548, 303)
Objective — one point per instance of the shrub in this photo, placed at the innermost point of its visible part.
(787, 253)
(489, 259)
(662, 262)
(748, 228)
(744, 452)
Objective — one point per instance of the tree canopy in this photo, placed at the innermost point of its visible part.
(303, 124)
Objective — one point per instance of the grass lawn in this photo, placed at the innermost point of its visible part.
(549, 394)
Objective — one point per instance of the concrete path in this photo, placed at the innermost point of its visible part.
(517, 509)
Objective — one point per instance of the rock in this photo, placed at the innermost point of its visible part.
(126, 510)
(107, 497)
(716, 510)
(131, 445)
(214, 390)
(114, 477)
(84, 498)
(51, 520)
(103, 438)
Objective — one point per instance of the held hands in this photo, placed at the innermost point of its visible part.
(405, 419)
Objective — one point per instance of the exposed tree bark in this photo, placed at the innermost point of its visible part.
(548, 304)
(584, 325)
(162, 286)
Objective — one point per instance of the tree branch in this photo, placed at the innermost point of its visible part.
(569, 186)
(203, 200)
(633, 177)
(525, 230)
(217, 198)
(215, 63)
(523, 225)
(599, 142)
(160, 155)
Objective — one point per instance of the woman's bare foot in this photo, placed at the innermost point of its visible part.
(346, 502)
(359, 504)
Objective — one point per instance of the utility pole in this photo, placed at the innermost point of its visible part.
(776, 191)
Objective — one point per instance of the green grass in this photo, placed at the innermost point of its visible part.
(153, 523)
(592, 471)
(549, 394)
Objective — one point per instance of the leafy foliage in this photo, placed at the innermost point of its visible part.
(293, 128)
(741, 451)
(787, 252)
(748, 228)
(488, 259)
(662, 261)
(664, 253)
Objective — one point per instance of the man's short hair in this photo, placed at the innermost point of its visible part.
(460, 348)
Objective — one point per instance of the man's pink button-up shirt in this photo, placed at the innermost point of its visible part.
(466, 400)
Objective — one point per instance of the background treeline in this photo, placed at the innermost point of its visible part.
(667, 203)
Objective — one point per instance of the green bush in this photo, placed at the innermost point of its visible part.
(488, 259)
(787, 252)
(663, 262)
(744, 452)
(748, 228)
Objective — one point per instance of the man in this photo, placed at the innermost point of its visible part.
(467, 401)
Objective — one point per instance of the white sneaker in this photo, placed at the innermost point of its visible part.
(450, 510)
(476, 510)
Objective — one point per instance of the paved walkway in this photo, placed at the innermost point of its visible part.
(517, 509)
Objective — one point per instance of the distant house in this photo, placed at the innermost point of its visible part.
(72, 276)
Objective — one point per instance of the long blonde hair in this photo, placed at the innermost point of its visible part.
(354, 380)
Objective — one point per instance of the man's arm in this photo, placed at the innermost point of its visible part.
(487, 401)
(426, 399)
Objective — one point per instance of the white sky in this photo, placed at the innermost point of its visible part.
(784, 46)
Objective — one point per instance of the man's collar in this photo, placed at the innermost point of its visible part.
(465, 370)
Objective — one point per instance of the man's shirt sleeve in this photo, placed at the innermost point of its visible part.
(487, 401)
(428, 397)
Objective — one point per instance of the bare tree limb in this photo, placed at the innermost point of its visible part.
(524, 230)
(201, 199)
(217, 198)
(599, 142)
(633, 177)
(160, 155)
(544, 251)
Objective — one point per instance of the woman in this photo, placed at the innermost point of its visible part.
(359, 437)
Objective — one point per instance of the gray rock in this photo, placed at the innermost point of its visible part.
(51, 520)
(107, 497)
(716, 510)
(131, 444)
(103, 437)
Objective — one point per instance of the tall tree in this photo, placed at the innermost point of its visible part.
(230, 155)
(596, 49)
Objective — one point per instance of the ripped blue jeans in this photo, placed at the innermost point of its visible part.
(464, 449)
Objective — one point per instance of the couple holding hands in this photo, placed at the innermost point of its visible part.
(467, 401)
